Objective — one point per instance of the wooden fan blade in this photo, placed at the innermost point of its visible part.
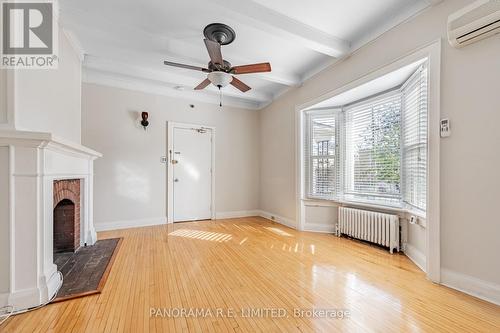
(196, 68)
(254, 68)
(214, 52)
(202, 85)
(240, 85)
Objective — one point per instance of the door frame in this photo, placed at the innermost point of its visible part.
(170, 184)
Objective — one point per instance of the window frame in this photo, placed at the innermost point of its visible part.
(342, 195)
(335, 112)
(372, 99)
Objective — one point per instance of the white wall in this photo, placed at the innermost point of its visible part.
(3, 96)
(4, 218)
(49, 100)
(130, 181)
(470, 189)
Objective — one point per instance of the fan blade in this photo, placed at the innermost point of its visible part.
(214, 52)
(202, 85)
(254, 68)
(240, 85)
(196, 68)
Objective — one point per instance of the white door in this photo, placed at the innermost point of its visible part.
(192, 174)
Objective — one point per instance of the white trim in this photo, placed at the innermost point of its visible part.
(433, 219)
(320, 228)
(236, 214)
(279, 219)
(432, 51)
(416, 256)
(125, 224)
(44, 139)
(170, 185)
(470, 285)
(402, 211)
(75, 44)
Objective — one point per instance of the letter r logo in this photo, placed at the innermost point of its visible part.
(27, 28)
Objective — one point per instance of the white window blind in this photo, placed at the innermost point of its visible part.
(373, 148)
(414, 94)
(320, 153)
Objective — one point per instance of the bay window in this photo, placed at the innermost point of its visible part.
(371, 150)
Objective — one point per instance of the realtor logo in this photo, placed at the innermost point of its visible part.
(29, 36)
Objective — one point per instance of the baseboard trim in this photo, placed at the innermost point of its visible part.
(236, 214)
(320, 228)
(126, 224)
(416, 256)
(473, 286)
(279, 219)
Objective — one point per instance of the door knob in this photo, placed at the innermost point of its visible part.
(176, 180)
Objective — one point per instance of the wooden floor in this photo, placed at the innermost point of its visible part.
(235, 265)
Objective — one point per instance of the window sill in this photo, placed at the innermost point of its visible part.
(394, 209)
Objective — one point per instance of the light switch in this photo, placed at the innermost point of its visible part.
(445, 128)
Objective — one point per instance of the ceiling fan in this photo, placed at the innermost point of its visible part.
(221, 72)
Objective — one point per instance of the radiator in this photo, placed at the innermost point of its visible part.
(374, 227)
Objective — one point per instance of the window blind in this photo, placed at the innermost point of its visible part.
(373, 148)
(320, 153)
(414, 96)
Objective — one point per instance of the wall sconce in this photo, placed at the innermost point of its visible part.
(144, 121)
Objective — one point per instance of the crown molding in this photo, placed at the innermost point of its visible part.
(74, 43)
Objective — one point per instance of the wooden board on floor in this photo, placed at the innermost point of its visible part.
(252, 263)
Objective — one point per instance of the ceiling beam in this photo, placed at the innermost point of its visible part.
(433, 2)
(146, 41)
(169, 77)
(157, 88)
(258, 16)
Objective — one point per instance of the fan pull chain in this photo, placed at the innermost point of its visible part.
(220, 98)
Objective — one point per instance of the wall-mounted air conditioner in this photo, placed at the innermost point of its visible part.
(477, 21)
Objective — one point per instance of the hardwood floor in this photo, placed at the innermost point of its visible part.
(239, 264)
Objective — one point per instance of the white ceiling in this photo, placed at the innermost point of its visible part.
(126, 41)
(370, 88)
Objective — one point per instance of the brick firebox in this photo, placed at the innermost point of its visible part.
(66, 215)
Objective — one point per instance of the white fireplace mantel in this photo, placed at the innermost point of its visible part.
(29, 164)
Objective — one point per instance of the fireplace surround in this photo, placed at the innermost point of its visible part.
(38, 172)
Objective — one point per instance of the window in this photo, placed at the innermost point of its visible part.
(414, 94)
(321, 152)
(372, 150)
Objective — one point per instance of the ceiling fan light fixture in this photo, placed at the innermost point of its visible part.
(220, 79)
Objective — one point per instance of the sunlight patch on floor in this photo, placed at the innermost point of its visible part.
(202, 235)
(278, 231)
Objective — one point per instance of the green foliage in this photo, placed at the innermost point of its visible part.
(379, 148)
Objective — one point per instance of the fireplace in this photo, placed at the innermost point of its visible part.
(66, 230)
(46, 194)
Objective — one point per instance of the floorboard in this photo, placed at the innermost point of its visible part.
(236, 265)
